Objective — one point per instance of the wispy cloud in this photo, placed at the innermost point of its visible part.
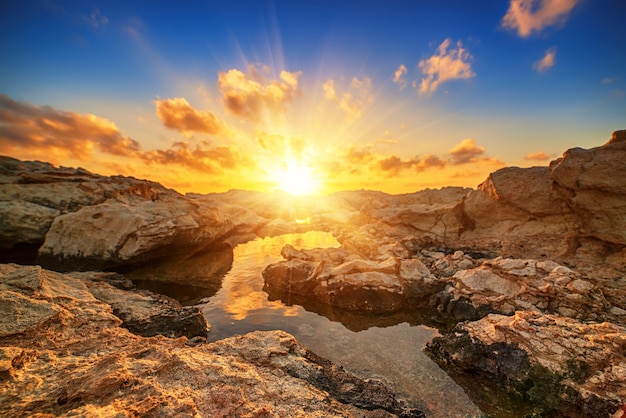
(96, 19)
(251, 96)
(547, 62)
(537, 156)
(24, 126)
(398, 76)
(528, 16)
(609, 80)
(179, 115)
(280, 145)
(351, 102)
(203, 157)
(448, 63)
(393, 165)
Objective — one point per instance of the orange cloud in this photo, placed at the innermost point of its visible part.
(201, 158)
(353, 102)
(548, 61)
(467, 151)
(179, 115)
(393, 165)
(281, 146)
(25, 126)
(528, 16)
(444, 65)
(251, 96)
(537, 156)
(398, 76)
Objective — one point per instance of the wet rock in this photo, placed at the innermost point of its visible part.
(557, 363)
(347, 282)
(145, 313)
(70, 357)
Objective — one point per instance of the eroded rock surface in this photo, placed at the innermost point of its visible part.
(63, 353)
(564, 367)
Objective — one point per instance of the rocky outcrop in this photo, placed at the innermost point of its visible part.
(334, 277)
(562, 366)
(572, 211)
(83, 221)
(63, 353)
(508, 285)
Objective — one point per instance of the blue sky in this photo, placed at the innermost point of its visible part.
(393, 95)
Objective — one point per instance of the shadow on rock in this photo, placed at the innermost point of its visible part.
(186, 279)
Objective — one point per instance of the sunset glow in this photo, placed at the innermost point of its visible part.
(309, 97)
(297, 179)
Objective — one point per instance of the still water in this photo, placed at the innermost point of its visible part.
(392, 354)
(229, 287)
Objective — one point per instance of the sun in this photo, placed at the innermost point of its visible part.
(297, 179)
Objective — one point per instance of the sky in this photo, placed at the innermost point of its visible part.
(309, 96)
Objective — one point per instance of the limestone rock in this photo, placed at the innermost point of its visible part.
(333, 277)
(592, 183)
(145, 313)
(72, 358)
(558, 362)
(86, 221)
(505, 285)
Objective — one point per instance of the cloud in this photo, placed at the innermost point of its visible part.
(96, 19)
(329, 89)
(179, 115)
(528, 16)
(547, 62)
(357, 161)
(25, 126)
(467, 151)
(359, 156)
(252, 97)
(203, 157)
(352, 102)
(280, 145)
(398, 76)
(537, 156)
(393, 165)
(444, 65)
(609, 80)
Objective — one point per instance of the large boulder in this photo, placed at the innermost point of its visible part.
(81, 220)
(64, 353)
(592, 184)
(334, 277)
(562, 366)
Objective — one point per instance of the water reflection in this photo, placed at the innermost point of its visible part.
(242, 295)
(187, 279)
(387, 348)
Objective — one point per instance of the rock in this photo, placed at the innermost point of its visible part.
(332, 276)
(505, 285)
(592, 183)
(558, 363)
(86, 221)
(145, 313)
(24, 222)
(72, 358)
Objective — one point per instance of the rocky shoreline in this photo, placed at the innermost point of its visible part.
(530, 268)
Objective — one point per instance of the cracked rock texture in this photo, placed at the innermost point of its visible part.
(64, 353)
